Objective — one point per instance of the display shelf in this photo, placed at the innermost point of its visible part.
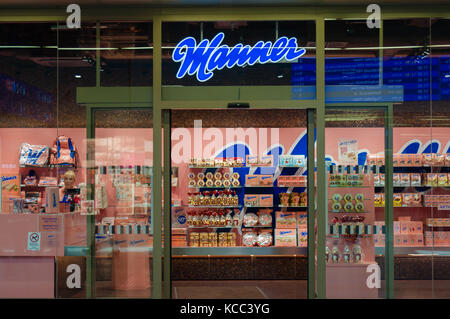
(238, 251)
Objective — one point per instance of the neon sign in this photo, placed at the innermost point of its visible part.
(207, 56)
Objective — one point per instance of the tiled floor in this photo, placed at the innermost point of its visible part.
(270, 289)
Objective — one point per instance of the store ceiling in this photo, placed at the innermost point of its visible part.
(215, 2)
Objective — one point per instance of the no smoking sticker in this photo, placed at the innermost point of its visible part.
(34, 241)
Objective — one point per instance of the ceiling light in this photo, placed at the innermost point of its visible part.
(78, 76)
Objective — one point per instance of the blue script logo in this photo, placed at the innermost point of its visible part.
(207, 56)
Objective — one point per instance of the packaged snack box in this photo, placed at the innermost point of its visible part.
(418, 160)
(438, 160)
(302, 219)
(447, 159)
(252, 160)
(396, 179)
(442, 179)
(266, 160)
(302, 237)
(403, 159)
(427, 159)
(416, 179)
(396, 227)
(266, 200)
(432, 179)
(266, 180)
(405, 179)
(285, 160)
(299, 160)
(251, 200)
(396, 160)
(398, 200)
(252, 180)
(286, 237)
(285, 219)
(404, 227)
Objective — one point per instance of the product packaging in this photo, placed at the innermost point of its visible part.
(266, 160)
(51, 199)
(252, 180)
(286, 237)
(416, 179)
(251, 200)
(302, 237)
(266, 180)
(405, 179)
(252, 160)
(265, 238)
(266, 200)
(285, 219)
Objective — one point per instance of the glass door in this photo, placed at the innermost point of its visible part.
(121, 153)
(355, 149)
(240, 212)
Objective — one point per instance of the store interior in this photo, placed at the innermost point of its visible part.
(243, 235)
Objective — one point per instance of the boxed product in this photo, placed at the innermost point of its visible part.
(252, 160)
(411, 199)
(266, 180)
(397, 227)
(396, 179)
(285, 160)
(432, 179)
(266, 160)
(266, 200)
(418, 160)
(251, 200)
(415, 227)
(51, 199)
(438, 222)
(398, 200)
(427, 159)
(302, 219)
(396, 159)
(438, 159)
(442, 179)
(286, 219)
(286, 237)
(302, 236)
(405, 179)
(404, 227)
(416, 179)
(447, 159)
(252, 180)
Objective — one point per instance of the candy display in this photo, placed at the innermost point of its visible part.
(264, 238)
(217, 162)
(291, 160)
(293, 199)
(213, 180)
(213, 198)
(348, 203)
(292, 181)
(250, 219)
(213, 218)
(250, 238)
(412, 160)
(346, 180)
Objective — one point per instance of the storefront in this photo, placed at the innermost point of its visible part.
(190, 153)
